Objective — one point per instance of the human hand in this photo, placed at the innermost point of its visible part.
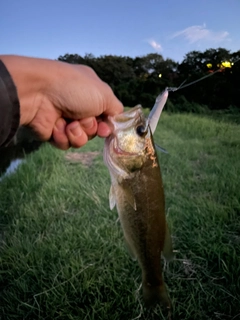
(64, 102)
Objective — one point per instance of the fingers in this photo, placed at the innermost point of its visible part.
(60, 139)
(75, 134)
(79, 132)
(103, 130)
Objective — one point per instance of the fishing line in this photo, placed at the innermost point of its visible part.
(160, 102)
(172, 89)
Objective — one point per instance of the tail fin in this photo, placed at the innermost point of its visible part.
(154, 295)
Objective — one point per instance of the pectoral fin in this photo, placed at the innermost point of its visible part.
(126, 192)
(167, 249)
(112, 200)
(129, 196)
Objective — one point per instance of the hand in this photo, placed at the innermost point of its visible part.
(62, 101)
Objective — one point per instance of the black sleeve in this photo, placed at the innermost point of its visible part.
(9, 107)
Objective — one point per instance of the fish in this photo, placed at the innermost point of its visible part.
(137, 192)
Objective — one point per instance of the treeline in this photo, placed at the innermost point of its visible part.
(141, 79)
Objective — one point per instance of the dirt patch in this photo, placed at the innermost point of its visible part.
(85, 158)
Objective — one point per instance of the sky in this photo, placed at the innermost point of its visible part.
(50, 28)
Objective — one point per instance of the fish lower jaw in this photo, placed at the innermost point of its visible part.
(120, 152)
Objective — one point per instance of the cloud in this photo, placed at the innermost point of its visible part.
(195, 34)
(155, 45)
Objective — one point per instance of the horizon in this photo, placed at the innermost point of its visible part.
(140, 56)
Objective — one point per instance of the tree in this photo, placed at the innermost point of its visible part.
(141, 79)
(215, 91)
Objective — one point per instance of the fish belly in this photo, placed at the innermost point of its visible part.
(144, 227)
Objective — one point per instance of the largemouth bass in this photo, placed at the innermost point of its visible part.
(137, 191)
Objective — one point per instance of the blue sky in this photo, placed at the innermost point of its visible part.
(50, 28)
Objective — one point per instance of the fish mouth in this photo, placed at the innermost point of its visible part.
(121, 152)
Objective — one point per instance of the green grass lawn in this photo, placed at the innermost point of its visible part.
(62, 250)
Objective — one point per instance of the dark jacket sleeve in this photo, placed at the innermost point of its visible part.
(9, 107)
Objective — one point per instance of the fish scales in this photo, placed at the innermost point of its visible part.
(137, 191)
(145, 226)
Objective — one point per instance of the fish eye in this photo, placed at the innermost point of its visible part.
(141, 131)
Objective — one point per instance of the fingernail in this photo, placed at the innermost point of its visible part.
(76, 130)
(87, 123)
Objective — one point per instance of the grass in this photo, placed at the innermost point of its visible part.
(232, 115)
(62, 250)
